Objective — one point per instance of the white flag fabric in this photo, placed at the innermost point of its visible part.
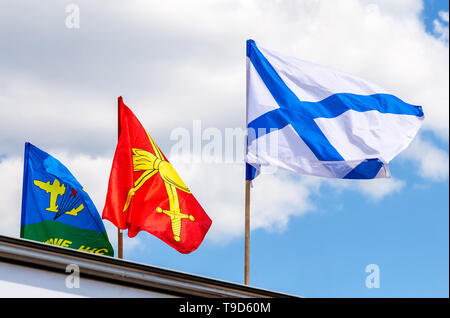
(314, 120)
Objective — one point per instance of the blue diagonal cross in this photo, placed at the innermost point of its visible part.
(300, 115)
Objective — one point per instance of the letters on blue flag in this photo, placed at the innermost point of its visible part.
(310, 119)
(56, 209)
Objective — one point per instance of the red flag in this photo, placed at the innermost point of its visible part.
(146, 193)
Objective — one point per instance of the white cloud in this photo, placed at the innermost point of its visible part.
(379, 188)
(431, 161)
(11, 194)
(440, 28)
(374, 189)
(443, 15)
(276, 198)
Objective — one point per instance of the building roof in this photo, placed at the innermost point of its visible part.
(121, 272)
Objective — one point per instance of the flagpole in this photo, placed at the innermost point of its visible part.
(120, 243)
(247, 191)
(247, 232)
(119, 231)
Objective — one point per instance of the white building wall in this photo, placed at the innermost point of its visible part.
(21, 281)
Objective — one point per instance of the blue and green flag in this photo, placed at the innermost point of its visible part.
(56, 209)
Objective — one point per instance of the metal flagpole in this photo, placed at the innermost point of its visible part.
(247, 232)
(119, 231)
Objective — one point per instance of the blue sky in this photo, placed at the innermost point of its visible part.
(310, 236)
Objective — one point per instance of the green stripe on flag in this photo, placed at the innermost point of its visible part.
(60, 234)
